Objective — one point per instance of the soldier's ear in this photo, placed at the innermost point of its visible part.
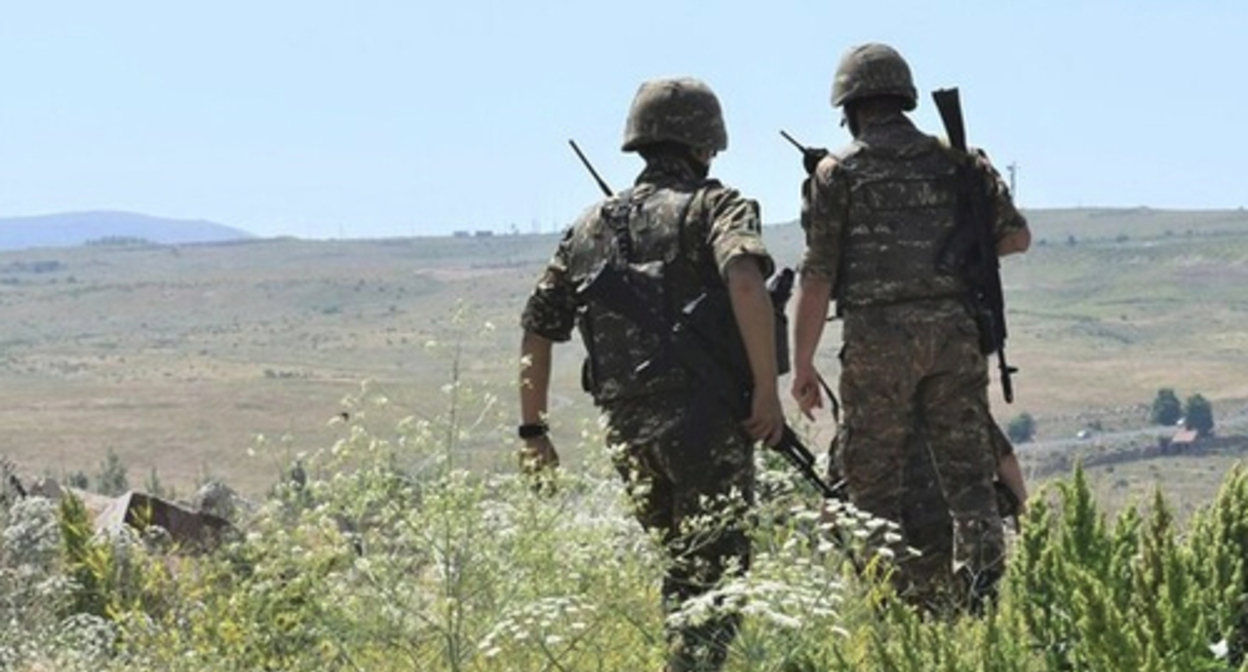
(704, 155)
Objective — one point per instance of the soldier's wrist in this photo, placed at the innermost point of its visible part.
(803, 366)
(532, 430)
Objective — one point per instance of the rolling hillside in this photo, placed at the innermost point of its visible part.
(78, 228)
(177, 358)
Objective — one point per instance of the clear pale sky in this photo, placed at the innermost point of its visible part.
(369, 118)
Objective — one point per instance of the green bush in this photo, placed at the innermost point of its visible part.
(1022, 428)
(1166, 410)
(1199, 415)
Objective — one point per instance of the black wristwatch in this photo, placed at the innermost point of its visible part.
(533, 430)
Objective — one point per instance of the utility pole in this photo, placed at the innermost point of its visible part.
(1013, 169)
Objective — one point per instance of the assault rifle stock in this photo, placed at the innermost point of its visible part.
(972, 249)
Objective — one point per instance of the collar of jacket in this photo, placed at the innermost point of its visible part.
(670, 170)
(886, 125)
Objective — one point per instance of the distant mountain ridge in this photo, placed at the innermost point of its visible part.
(77, 228)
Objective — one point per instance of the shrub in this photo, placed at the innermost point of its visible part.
(1022, 428)
(1199, 415)
(1167, 410)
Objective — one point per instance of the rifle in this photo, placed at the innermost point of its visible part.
(811, 156)
(606, 190)
(972, 250)
(702, 343)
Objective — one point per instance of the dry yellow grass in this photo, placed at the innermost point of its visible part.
(177, 358)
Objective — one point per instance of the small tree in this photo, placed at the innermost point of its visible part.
(1166, 407)
(1022, 428)
(1199, 415)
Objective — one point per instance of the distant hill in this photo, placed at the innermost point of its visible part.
(785, 240)
(78, 228)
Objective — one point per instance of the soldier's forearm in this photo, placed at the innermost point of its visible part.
(535, 362)
(755, 317)
(812, 312)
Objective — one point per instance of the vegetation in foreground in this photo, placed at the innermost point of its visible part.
(391, 557)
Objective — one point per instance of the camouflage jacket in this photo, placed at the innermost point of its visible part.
(683, 231)
(877, 213)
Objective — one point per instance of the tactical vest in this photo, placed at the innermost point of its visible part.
(902, 209)
(641, 238)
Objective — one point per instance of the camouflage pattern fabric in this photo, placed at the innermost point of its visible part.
(679, 452)
(719, 227)
(875, 217)
(682, 110)
(904, 362)
(927, 526)
(690, 488)
(826, 194)
(870, 70)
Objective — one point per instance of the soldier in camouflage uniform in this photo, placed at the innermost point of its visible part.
(681, 458)
(876, 215)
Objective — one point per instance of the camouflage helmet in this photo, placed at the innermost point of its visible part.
(682, 110)
(873, 69)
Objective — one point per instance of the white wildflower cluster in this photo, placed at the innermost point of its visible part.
(842, 526)
(85, 641)
(551, 624)
(773, 477)
(32, 536)
(797, 584)
(499, 515)
(32, 590)
(788, 604)
(718, 515)
(29, 581)
(582, 522)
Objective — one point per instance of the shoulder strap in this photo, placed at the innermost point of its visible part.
(617, 211)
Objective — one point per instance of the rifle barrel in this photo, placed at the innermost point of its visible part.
(588, 166)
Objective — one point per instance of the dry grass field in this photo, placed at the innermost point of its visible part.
(178, 358)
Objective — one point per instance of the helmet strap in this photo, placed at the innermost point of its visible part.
(849, 118)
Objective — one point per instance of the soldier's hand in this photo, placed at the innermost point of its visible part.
(766, 422)
(811, 158)
(538, 454)
(805, 390)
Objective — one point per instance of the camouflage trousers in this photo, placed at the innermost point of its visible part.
(928, 528)
(913, 377)
(690, 475)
